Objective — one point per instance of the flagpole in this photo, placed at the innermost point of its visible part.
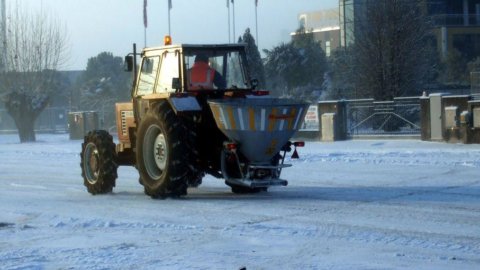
(169, 8)
(228, 7)
(145, 22)
(234, 37)
(256, 22)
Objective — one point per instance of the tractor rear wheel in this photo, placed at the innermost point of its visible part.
(195, 173)
(162, 157)
(98, 162)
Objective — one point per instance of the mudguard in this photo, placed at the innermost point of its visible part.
(184, 104)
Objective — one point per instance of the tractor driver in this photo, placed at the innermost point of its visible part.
(202, 76)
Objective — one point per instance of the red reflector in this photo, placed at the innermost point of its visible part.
(261, 93)
(295, 154)
(231, 146)
(299, 144)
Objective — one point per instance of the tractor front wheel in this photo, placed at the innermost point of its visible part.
(98, 162)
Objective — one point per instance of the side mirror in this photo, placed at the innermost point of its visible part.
(128, 64)
(176, 84)
(254, 83)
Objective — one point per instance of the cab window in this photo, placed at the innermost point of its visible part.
(148, 73)
(236, 77)
(228, 64)
(169, 72)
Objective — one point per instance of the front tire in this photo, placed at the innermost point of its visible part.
(161, 155)
(98, 162)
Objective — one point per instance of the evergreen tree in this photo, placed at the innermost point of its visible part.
(339, 82)
(255, 67)
(103, 84)
(297, 68)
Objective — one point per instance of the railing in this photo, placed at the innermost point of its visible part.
(456, 20)
(400, 116)
(474, 91)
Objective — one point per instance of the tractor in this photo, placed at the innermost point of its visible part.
(174, 133)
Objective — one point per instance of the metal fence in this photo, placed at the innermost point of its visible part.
(400, 116)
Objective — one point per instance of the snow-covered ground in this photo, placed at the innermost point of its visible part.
(370, 204)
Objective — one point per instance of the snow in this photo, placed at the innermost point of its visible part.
(361, 204)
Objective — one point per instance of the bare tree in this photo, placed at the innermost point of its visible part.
(35, 49)
(394, 48)
(393, 53)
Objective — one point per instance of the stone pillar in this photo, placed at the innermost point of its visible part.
(339, 108)
(329, 127)
(425, 118)
(436, 117)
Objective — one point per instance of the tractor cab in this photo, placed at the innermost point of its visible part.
(179, 68)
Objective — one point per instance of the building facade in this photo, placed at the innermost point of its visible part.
(351, 13)
(456, 24)
(324, 27)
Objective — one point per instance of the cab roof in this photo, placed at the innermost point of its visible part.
(198, 46)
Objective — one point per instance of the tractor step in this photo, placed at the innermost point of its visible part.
(257, 183)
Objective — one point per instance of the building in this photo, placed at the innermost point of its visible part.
(324, 27)
(456, 24)
(350, 12)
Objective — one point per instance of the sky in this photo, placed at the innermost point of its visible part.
(96, 26)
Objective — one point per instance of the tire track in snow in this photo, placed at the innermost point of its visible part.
(459, 159)
(359, 234)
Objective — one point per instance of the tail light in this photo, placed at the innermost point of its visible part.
(230, 146)
(261, 93)
(299, 144)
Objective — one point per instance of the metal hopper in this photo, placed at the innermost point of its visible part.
(261, 126)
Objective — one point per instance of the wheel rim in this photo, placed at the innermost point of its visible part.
(155, 152)
(91, 165)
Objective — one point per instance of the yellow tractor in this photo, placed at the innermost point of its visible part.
(175, 130)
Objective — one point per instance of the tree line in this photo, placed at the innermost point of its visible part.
(393, 54)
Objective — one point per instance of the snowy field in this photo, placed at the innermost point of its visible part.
(363, 204)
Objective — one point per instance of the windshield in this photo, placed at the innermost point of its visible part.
(221, 69)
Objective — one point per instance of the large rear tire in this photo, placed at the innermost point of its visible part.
(162, 157)
(195, 174)
(98, 162)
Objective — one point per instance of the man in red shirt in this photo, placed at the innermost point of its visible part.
(202, 76)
